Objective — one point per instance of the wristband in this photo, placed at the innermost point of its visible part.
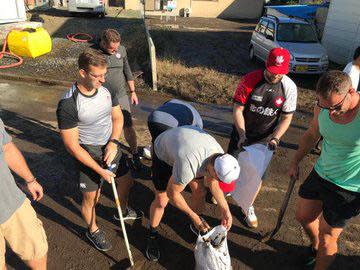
(132, 91)
(32, 180)
(115, 141)
(276, 140)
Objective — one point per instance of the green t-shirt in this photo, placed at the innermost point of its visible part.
(339, 161)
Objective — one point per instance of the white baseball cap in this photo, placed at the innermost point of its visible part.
(227, 169)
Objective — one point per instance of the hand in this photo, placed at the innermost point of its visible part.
(226, 219)
(35, 190)
(242, 140)
(110, 153)
(273, 144)
(200, 224)
(107, 175)
(294, 170)
(134, 99)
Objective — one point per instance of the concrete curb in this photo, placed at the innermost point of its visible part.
(24, 78)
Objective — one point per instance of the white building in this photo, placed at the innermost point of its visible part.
(12, 11)
(342, 30)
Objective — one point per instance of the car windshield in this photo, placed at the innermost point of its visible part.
(296, 32)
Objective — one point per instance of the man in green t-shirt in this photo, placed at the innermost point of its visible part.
(330, 195)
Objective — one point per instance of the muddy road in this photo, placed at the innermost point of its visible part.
(28, 112)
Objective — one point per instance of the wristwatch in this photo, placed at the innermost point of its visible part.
(117, 142)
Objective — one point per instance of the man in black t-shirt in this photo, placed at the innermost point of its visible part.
(264, 104)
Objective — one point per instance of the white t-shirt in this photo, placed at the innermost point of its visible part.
(354, 73)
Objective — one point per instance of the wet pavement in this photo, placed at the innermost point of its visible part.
(28, 112)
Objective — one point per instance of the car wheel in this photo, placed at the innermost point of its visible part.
(252, 56)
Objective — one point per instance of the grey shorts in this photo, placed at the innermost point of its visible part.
(89, 180)
(124, 103)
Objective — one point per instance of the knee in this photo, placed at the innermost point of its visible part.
(199, 193)
(89, 201)
(161, 201)
(328, 241)
(303, 218)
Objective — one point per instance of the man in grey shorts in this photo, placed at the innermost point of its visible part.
(118, 76)
(184, 156)
(90, 123)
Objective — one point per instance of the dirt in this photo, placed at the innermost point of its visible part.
(35, 133)
(197, 64)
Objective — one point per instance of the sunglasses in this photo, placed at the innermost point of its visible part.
(97, 76)
(336, 107)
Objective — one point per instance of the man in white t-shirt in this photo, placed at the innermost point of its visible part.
(353, 69)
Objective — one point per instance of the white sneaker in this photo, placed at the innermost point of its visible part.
(251, 219)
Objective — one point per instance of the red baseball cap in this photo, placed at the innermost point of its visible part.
(278, 61)
(227, 187)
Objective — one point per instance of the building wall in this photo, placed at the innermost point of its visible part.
(236, 9)
(342, 30)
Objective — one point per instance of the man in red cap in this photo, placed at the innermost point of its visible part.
(264, 104)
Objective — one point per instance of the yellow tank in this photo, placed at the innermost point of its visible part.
(29, 42)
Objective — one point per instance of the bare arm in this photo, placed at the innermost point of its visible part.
(176, 198)
(238, 116)
(222, 203)
(16, 162)
(71, 141)
(283, 126)
(306, 143)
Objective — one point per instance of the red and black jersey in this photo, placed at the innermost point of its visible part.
(264, 102)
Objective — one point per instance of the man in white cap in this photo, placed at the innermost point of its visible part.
(184, 156)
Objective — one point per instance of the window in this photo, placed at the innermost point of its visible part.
(296, 32)
(269, 32)
(262, 26)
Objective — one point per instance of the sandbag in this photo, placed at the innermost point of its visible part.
(253, 163)
(211, 250)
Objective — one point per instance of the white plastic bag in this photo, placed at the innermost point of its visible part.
(211, 250)
(253, 163)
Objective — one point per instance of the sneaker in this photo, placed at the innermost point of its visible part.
(136, 162)
(98, 239)
(250, 218)
(310, 258)
(130, 214)
(152, 251)
(147, 152)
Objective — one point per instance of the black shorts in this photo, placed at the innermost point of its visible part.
(339, 205)
(161, 171)
(89, 180)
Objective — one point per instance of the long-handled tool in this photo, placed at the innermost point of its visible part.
(117, 202)
(284, 205)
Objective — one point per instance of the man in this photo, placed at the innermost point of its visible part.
(264, 104)
(90, 123)
(20, 229)
(118, 75)
(330, 195)
(188, 156)
(173, 113)
(353, 69)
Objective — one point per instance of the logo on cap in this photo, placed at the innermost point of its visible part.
(279, 60)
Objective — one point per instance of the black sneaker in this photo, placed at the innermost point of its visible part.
(310, 259)
(130, 214)
(136, 162)
(152, 251)
(98, 239)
